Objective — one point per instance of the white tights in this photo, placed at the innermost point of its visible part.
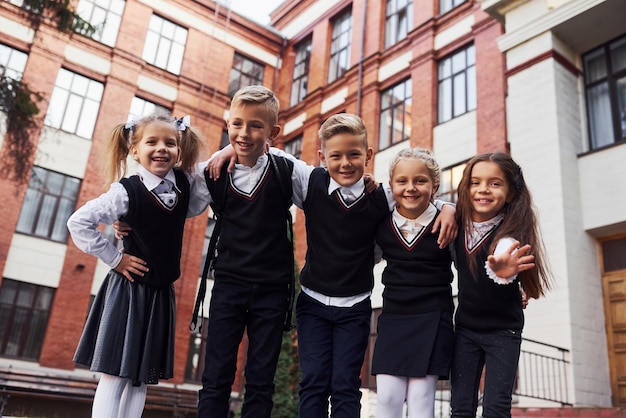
(116, 397)
(419, 393)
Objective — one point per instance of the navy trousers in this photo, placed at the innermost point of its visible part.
(331, 345)
(260, 310)
(499, 353)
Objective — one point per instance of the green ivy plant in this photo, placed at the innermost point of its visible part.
(18, 102)
(58, 12)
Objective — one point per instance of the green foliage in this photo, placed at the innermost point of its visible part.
(59, 12)
(20, 105)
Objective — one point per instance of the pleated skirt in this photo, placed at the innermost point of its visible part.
(414, 345)
(130, 331)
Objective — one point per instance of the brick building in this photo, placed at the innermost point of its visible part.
(542, 79)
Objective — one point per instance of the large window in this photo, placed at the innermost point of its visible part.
(457, 84)
(165, 44)
(450, 178)
(244, 72)
(48, 204)
(395, 115)
(605, 86)
(24, 310)
(140, 107)
(398, 21)
(74, 104)
(294, 147)
(301, 72)
(446, 5)
(340, 46)
(12, 62)
(106, 15)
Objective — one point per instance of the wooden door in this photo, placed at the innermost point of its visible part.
(613, 256)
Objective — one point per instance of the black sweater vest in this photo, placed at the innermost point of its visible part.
(484, 305)
(340, 238)
(418, 275)
(254, 245)
(157, 232)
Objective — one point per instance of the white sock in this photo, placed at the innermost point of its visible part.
(133, 401)
(421, 396)
(391, 392)
(106, 402)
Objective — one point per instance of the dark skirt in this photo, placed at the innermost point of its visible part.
(414, 345)
(130, 331)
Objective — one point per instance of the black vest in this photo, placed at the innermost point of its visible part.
(418, 274)
(253, 245)
(484, 305)
(340, 238)
(157, 232)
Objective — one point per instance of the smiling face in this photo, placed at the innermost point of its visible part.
(489, 191)
(157, 150)
(412, 187)
(249, 130)
(345, 156)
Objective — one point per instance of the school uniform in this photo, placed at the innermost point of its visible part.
(415, 334)
(130, 328)
(489, 321)
(252, 272)
(333, 309)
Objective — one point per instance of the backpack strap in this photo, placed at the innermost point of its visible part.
(211, 255)
(283, 175)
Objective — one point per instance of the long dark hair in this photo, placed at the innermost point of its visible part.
(520, 220)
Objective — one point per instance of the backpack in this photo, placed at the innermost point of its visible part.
(283, 175)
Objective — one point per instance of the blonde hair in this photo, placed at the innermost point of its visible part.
(342, 123)
(261, 96)
(421, 154)
(124, 136)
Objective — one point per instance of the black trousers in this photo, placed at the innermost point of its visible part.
(499, 353)
(260, 310)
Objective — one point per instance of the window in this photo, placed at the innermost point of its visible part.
(195, 355)
(613, 255)
(294, 147)
(457, 84)
(48, 204)
(106, 15)
(395, 115)
(24, 310)
(340, 46)
(449, 183)
(74, 104)
(398, 21)
(224, 140)
(244, 72)
(12, 62)
(140, 107)
(301, 72)
(605, 88)
(446, 5)
(165, 44)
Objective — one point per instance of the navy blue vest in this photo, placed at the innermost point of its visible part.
(157, 232)
(340, 238)
(418, 274)
(484, 305)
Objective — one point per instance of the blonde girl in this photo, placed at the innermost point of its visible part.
(415, 334)
(129, 333)
(496, 214)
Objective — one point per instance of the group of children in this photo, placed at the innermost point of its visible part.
(129, 332)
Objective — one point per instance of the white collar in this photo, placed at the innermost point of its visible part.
(488, 224)
(151, 180)
(260, 162)
(356, 189)
(424, 219)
